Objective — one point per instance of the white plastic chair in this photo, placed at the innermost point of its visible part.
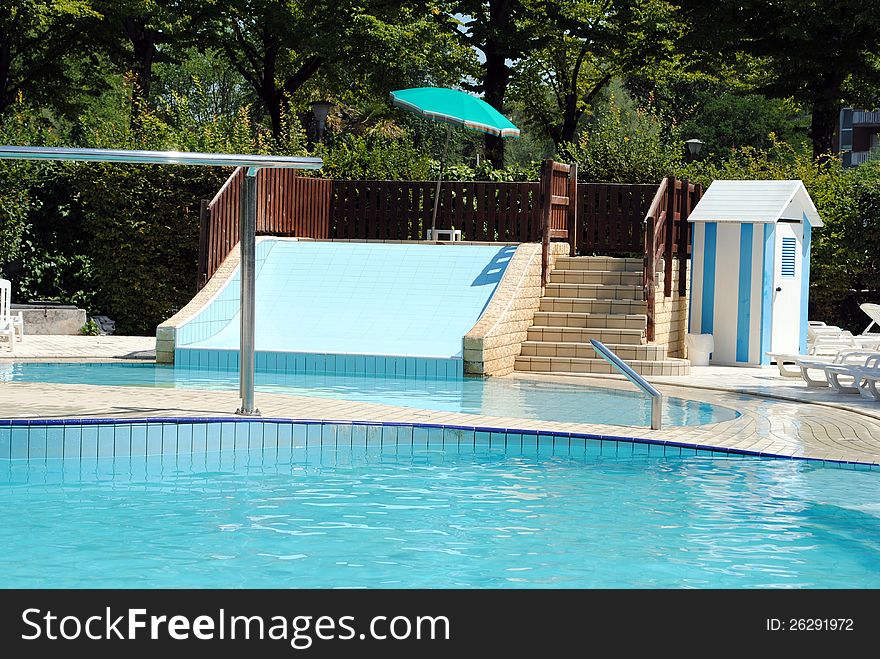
(873, 312)
(7, 321)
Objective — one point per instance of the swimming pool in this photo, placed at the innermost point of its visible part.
(400, 507)
(514, 398)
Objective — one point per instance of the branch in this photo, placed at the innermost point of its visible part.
(250, 75)
(306, 71)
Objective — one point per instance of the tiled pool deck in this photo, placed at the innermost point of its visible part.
(767, 425)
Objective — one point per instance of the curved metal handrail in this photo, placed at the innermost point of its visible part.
(626, 370)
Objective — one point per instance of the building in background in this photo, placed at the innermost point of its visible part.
(858, 137)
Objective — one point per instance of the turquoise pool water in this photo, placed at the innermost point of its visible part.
(520, 399)
(469, 516)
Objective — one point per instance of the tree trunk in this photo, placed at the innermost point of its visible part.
(5, 83)
(570, 116)
(497, 74)
(494, 87)
(825, 117)
(143, 43)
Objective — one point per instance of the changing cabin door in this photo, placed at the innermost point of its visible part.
(788, 269)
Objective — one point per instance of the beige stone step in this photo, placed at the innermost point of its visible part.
(591, 320)
(593, 305)
(599, 263)
(571, 365)
(583, 335)
(616, 277)
(585, 350)
(595, 291)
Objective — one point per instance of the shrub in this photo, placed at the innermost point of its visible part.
(142, 224)
(624, 147)
(374, 157)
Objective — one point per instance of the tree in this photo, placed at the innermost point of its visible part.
(503, 31)
(804, 49)
(35, 38)
(588, 43)
(140, 33)
(357, 46)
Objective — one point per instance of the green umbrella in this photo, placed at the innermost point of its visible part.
(455, 108)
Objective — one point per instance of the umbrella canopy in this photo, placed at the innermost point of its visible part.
(455, 107)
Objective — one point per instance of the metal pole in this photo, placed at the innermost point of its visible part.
(656, 412)
(247, 236)
(440, 178)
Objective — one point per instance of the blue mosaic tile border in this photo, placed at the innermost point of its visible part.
(92, 439)
(300, 362)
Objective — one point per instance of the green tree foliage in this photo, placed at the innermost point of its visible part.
(137, 35)
(36, 37)
(503, 31)
(376, 157)
(358, 48)
(624, 144)
(586, 44)
(725, 121)
(846, 252)
(803, 49)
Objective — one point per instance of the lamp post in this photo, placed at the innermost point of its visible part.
(694, 147)
(321, 109)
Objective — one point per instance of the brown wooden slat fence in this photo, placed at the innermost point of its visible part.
(401, 210)
(287, 205)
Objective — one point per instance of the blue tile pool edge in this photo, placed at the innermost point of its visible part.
(6, 447)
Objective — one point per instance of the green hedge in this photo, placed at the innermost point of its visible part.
(120, 240)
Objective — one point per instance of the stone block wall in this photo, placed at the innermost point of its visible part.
(671, 313)
(493, 344)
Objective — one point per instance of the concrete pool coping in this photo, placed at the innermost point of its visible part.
(771, 427)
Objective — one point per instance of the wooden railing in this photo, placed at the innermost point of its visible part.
(287, 205)
(667, 234)
(558, 208)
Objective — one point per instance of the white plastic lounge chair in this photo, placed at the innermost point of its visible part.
(7, 324)
(864, 378)
(834, 373)
(873, 312)
(843, 358)
(869, 385)
(827, 349)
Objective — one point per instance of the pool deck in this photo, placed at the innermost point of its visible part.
(778, 415)
(50, 348)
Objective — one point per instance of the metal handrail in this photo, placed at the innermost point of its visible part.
(11, 152)
(247, 221)
(624, 369)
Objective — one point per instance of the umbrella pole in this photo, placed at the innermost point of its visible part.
(440, 178)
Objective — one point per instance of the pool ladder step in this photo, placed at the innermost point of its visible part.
(594, 298)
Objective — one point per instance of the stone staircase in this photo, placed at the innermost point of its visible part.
(594, 297)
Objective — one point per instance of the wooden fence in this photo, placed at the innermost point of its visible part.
(287, 205)
(607, 219)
